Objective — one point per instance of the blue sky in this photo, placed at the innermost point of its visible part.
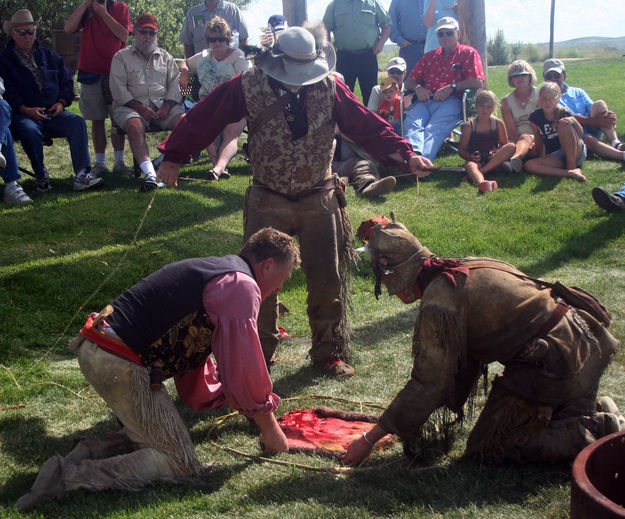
(521, 20)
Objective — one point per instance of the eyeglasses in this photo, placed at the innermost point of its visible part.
(217, 40)
(148, 32)
(553, 75)
(449, 34)
(395, 71)
(24, 32)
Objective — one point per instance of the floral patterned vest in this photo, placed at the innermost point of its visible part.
(282, 165)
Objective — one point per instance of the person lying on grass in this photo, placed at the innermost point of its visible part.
(484, 142)
(558, 138)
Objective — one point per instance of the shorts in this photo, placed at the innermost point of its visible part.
(595, 131)
(123, 113)
(92, 105)
(560, 153)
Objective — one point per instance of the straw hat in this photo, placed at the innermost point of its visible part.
(21, 17)
(296, 59)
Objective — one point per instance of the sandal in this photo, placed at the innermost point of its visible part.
(212, 175)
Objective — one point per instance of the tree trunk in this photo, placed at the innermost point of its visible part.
(295, 12)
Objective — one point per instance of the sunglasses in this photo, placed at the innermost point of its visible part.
(440, 34)
(217, 40)
(394, 71)
(148, 32)
(553, 75)
(23, 32)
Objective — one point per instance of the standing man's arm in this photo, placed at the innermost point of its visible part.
(118, 30)
(384, 34)
(73, 21)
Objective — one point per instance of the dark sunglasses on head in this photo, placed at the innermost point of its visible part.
(394, 71)
(440, 34)
(149, 32)
(23, 32)
(217, 40)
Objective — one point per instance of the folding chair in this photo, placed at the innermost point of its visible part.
(468, 111)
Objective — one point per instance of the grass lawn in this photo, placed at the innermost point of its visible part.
(71, 253)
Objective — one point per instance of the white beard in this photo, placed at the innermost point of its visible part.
(145, 49)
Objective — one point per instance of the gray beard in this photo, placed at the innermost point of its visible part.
(145, 49)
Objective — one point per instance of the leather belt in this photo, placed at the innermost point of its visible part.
(554, 319)
(324, 185)
(362, 51)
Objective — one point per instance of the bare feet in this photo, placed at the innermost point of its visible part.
(576, 174)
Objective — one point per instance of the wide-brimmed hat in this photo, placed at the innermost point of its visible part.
(447, 22)
(21, 17)
(297, 60)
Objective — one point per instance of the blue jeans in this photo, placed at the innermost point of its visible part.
(66, 124)
(621, 192)
(10, 172)
(428, 124)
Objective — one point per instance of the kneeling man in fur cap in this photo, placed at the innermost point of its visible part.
(543, 406)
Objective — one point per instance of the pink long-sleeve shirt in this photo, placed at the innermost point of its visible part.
(232, 302)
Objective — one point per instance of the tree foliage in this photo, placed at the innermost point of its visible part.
(54, 13)
(498, 52)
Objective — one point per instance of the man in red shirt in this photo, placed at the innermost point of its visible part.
(105, 28)
(438, 80)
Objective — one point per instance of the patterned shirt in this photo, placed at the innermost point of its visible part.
(436, 70)
(28, 60)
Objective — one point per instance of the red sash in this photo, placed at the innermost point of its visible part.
(108, 342)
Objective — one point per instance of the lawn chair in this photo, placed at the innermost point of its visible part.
(468, 111)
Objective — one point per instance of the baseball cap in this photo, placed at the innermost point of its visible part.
(397, 62)
(277, 22)
(447, 22)
(553, 65)
(147, 20)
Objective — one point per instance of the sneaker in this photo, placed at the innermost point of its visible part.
(379, 187)
(608, 201)
(507, 167)
(86, 181)
(158, 161)
(334, 367)
(517, 164)
(43, 182)
(120, 168)
(3, 161)
(14, 194)
(148, 184)
(99, 169)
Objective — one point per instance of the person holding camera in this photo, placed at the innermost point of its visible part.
(39, 88)
(105, 26)
(484, 142)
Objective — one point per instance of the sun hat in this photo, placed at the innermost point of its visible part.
(397, 62)
(147, 20)
(447, 22)
(21, 17)
(553, 65)
(297, 60)
(387, 83)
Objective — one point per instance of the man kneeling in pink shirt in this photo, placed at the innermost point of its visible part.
(167, 325)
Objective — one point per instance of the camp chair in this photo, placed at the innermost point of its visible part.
(47, 141)
(468, 111)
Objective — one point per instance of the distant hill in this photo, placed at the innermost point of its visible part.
(594, 43)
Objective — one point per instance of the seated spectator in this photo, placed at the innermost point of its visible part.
(390, 107)
(516, 108)
(438, 80)
(213, 66)
(396, 70)
(484, 142)
(145, 87)
(39, 87)
(595, 117)
(558, 137)
(13, 192)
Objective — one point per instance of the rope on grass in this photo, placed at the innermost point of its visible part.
(98, 288)
(327, 468)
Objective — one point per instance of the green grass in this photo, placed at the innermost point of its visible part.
(70, 253)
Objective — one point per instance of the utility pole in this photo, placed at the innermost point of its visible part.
(294, 11)
(553, 13)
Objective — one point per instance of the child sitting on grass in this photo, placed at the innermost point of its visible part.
(484, 142)
(390, 106)
(558, 137)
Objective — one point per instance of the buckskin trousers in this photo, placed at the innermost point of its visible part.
(316, 220)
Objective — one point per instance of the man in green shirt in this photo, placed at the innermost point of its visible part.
(360, 28)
